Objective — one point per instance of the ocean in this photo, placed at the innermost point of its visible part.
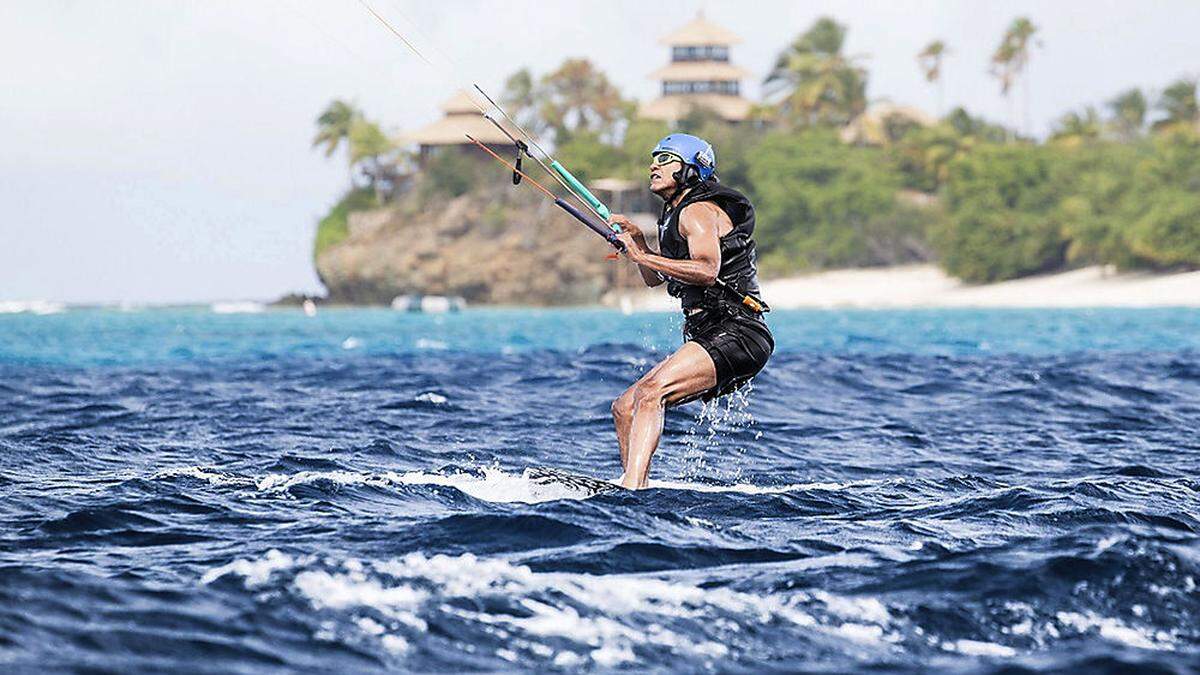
(899, 491)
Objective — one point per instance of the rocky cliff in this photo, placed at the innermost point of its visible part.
(500, 246)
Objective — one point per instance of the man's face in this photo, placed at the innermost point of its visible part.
(663, 168)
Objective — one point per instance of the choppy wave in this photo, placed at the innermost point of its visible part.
(292, 508)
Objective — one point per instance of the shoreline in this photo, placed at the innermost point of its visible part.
(928, 287)
(903, 287)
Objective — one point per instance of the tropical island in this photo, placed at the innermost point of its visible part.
(839, 181)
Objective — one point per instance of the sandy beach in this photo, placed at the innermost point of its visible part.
(927, 286)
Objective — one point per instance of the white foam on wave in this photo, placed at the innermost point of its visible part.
(494, 485)
(255, 572)
(206, 474)
(600, 619)
(1115, 630)
(339, 591)
(977, 648)
(582, 620)
(490, 484)
(281, 482)
(1064, 624)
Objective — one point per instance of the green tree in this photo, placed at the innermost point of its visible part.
(1128, 111)
(1000, 220)
(579, 98)
(1012, 55)
(1165, 215)
(588, 156)
(1095, 185)
(639, 139)
(1169, 231)
(924, 155)
(735, 146)
(1178, 105)
(1076, 129)
(519, 98)
(968, 125)
(699, 118)
(333, 129)
(819, 84)
(334, 227)
(450, 173)
(818, 200)
(930, 61)
(370, 150)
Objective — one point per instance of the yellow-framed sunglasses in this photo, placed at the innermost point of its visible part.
(661, 158)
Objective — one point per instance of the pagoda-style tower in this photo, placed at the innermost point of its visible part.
(699, 75)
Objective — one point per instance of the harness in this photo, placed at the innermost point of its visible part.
(736, 287)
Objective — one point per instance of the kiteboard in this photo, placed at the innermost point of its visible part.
(548, 475)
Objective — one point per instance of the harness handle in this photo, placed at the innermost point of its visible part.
(521, 149)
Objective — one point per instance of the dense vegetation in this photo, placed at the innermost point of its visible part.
(333, 228)
(1120, 187)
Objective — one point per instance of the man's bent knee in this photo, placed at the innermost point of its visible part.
(622, 407)
(649, 393)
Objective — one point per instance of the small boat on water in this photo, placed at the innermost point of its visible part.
(428, 304)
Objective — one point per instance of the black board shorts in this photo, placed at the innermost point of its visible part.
(739, 344)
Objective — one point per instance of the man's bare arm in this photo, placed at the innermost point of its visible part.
(649, 276)
(701, 224)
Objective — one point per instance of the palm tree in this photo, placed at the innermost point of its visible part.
(1012, 56)
(1128, 113)
(928, 152)
(1076, 129)
(930, 61)
(820, 84)
(333, 128)
(1178, 102)
(966, 125)
(369, 146)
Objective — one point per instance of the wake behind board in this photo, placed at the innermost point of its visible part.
(548, 475)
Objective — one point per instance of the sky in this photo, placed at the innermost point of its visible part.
(159, 151)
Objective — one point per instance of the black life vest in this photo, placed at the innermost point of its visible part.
(738, 261)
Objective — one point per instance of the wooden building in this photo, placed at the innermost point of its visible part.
(699, 75)
(460, 117)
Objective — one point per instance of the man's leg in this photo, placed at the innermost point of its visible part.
(622, 411)
(681, 375)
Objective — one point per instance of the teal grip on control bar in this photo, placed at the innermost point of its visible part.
(583, 192)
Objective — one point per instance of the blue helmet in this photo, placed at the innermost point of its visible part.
(694, 151)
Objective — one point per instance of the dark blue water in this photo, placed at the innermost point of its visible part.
(905, 491)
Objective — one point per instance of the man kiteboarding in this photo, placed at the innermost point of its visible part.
(706, 257)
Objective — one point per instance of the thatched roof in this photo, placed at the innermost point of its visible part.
(461, 102)
(699, 32)
(451, 130)
(462, 117)
(674, 108)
